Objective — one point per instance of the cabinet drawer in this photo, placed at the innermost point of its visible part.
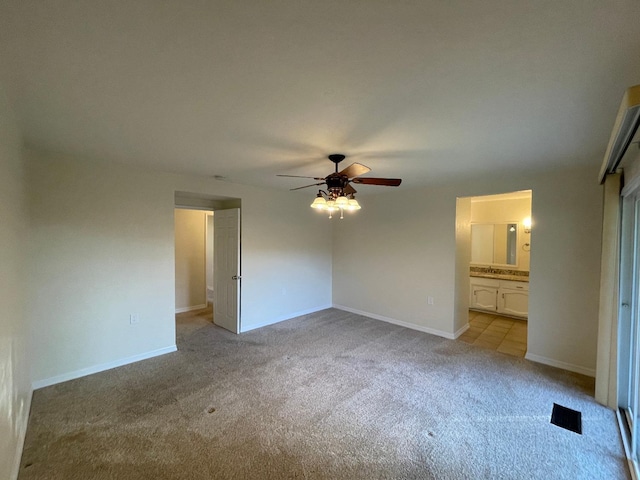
(514, 285)
(485, 282)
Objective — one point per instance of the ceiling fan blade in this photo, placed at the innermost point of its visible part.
(349, 190)
(307, 186)
(389, 182)
(300, 176)
(355, 170)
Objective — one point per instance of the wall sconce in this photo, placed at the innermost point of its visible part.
(526, 223)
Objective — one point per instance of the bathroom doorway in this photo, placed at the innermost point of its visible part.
(493, 245)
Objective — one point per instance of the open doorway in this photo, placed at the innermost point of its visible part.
(493, 245)
(193, 263)
(207, 262)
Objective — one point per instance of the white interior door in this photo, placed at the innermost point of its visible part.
(226, 269)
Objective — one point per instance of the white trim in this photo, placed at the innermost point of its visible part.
(631, 187)
(412, 326)
(46, 382)
(590, 372)
(24, 422)
(517, 195)
(461, 330)
(190, 309)
(633, 466)
(283, 318)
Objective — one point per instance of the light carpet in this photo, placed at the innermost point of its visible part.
(331, 395)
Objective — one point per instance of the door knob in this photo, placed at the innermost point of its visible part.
(236, 277)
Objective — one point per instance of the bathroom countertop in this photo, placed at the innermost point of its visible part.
(500, 276)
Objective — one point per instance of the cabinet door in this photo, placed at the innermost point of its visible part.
(484, 297)
(514, 302)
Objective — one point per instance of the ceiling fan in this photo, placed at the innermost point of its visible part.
(340, 193)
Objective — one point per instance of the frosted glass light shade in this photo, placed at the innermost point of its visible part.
(342, 202)
(319, 203)
(353, 205)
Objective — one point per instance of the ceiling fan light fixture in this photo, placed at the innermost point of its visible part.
(353, 204)
(319, 203)
(338, 195)
(342, 202)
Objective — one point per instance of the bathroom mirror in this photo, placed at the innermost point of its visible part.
(494, 244)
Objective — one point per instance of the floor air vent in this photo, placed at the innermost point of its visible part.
(566, 418)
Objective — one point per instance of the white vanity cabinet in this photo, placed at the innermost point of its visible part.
(484, 293)
(499, 296)
(513, 298)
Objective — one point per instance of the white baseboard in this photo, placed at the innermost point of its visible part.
(189, 309)
(590, 372)
(24, 422)
(101, 368)
(461, 331)
(244, 329)
(412, 326)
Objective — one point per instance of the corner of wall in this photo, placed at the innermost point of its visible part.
(15, 391)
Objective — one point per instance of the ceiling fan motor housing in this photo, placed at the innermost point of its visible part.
(336, 183)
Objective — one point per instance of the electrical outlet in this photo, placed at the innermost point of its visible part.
(134, 318)
(430, 300)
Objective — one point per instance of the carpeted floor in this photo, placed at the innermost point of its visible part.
(331, 395)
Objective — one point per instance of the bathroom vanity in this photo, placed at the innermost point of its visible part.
(498, 271)
(499, 293)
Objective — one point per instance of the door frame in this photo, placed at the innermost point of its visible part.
(199, 201)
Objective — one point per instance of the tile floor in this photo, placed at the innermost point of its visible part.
(503, 334)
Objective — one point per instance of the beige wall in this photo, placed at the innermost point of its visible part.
(401, 248)
(463, 257)
(102, 247)
(190, 248)
(506, 211)
(15, 378)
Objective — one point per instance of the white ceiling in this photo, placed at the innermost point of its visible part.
(423, 90)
